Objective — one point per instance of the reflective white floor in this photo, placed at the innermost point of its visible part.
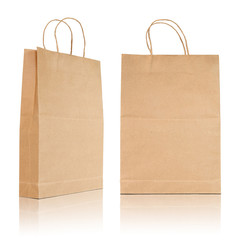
(83, 212)
(75, 212)
(181, 213)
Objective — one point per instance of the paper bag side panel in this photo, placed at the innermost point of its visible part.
(70, 123)
(28, 186)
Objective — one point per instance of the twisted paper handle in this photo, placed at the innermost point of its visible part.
(163, 21)
(55, 37)
(84, 40)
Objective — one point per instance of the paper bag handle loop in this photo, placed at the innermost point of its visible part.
(55, 38)
(163, 21)
(84, 40)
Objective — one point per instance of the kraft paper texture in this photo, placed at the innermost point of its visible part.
(170, 124)
(61, 130)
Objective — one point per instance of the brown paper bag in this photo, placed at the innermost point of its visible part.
(170, 122)
(61, 129)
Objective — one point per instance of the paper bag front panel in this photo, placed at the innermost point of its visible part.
(170, 124)
(70, 123)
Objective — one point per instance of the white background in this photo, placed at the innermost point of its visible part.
(112, 28)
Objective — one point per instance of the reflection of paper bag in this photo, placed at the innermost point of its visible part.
(61, 132)
(170, 123)
(62, 213)
(164, 212)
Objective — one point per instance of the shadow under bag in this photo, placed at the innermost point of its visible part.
(61, 129)
(170, 122)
